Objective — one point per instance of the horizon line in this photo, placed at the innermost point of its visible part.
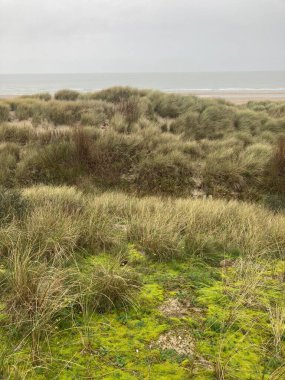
(143, 72)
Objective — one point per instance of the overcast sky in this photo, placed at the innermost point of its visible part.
(57, 36)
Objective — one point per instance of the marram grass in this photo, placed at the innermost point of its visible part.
(142, 236)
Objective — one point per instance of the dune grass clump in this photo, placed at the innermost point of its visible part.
(12, 205)
(63, 113)
(28, 108)
(20, 134)
(130, 109)
(168, 105)
(165, 174)
(216, 121)
(187, 124)
(9, 157)
(275, 168)
(157, 233)
(110, 285)
(211, 227)
(66, 95)
(249, 120)
(117, 94)
(54, 234)
(65, 198)
(113, 156)
(53, 163)
(46, 96)
(34, 296)
(97, 113)
(4, 112)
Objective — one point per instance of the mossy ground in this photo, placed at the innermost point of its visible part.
(227, 320)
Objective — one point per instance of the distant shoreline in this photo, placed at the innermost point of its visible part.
(240, 96)
(234, 96)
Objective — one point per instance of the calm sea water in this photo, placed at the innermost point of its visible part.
(12, 84)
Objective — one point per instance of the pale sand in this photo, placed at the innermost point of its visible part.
(241, 97)
(237, 97)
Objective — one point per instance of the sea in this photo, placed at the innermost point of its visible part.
(253, 81)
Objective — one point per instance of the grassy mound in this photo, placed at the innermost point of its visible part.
(145, 142)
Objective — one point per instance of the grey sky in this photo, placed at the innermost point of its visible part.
(141, 35)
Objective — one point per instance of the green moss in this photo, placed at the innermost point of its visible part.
(229, 330)
(151, 295)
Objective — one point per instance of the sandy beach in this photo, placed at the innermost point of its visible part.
(240, 97)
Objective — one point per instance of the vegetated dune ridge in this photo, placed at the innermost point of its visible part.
(142, 236)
